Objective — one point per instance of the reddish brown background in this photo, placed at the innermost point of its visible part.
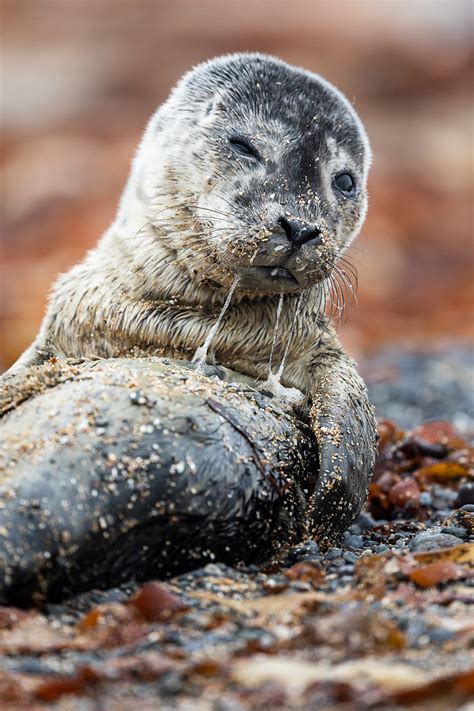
(81, 77)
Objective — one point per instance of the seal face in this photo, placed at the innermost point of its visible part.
(252, 169)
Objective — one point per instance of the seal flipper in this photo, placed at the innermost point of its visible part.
(345, 427)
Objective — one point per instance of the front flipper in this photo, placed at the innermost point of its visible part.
(345, 428)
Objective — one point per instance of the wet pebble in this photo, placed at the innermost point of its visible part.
(346, 569)
(275, 584)
(417, 633)
(443, 496)
(365, 521)
(401, 543)
(457, 531)
(307, 551)
(440, 515)
(465, 494)
(352, 541)
(355, 529)
(439, 635)
(171, 683)
(429, 540)
(349, 556)
(228, 705)
(301, 586)
(425, 498)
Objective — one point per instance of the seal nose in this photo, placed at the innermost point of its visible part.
(299, 233)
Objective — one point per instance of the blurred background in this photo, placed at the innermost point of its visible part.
(80, 78)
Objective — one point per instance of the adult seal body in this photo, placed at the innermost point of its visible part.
(246, 190)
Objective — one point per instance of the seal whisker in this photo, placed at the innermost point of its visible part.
(348, 275)
(333, 298)
(340, 298)
(193, 207)
(354, 248)
(179, 218)
(349, 288)
(351, 269)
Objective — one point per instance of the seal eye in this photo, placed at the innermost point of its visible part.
(344, 182)
(242, 146)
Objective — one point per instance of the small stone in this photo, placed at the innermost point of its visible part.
(425, 498)
(457, 531)
(252, 568)
(311, 559)
(171, 683)
(154, 602)
(428, 540)
(446, 496)
(465, 494)
(441, 515)
(275, 584)
(404, 494)
(401, 543)
(352, 541)
(308, 548)
(438, 635)
(301, 586)
(214, 569)
(365, 521)
(346, 570)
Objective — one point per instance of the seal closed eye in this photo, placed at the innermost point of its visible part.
(243, 146)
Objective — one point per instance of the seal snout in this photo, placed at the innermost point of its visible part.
(293, 257)
(287, 240)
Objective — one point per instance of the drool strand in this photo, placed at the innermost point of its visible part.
(200, 355)
(273, 381)
(275, 331)
(290, 337)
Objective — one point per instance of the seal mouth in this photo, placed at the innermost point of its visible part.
(268, 278)
(279, 273)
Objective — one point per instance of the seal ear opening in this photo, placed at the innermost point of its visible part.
(212, 107)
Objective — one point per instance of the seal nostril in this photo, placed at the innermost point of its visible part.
(310, 234)
(299, 233)
(288, 227)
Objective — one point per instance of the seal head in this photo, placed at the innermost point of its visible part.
(252, 169)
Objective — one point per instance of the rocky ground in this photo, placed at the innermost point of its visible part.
(412, 386)
(383, 620)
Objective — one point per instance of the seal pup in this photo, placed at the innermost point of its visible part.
(250, 180)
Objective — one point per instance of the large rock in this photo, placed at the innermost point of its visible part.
(141, 468)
